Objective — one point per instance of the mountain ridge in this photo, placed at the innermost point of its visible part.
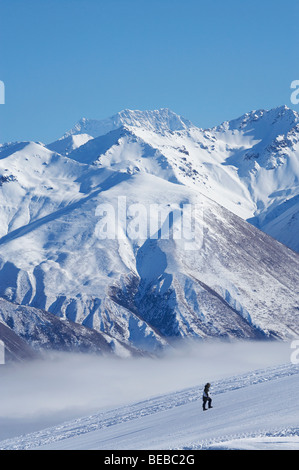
(158, 120)
(147, 292)
(258, 157)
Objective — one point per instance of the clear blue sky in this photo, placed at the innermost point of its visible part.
(207, 60)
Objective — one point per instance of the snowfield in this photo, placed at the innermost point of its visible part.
(257, 410)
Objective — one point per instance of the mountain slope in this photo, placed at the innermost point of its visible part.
(147, 291)
(67, 144)
(152, 279)
(15, 348)
(269, 164)
(27, 332)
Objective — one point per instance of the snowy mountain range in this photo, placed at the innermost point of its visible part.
(142, 291)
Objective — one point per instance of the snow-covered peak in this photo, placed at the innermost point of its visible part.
(154, 120)
(260, 122)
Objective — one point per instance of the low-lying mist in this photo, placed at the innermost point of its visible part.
(42, 393)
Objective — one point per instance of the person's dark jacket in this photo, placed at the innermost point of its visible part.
(206, 392)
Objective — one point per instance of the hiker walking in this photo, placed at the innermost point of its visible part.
(206, 397)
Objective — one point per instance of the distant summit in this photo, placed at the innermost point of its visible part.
(281, 118)
(153, 120)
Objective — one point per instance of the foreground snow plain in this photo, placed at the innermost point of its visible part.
(257, 410)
